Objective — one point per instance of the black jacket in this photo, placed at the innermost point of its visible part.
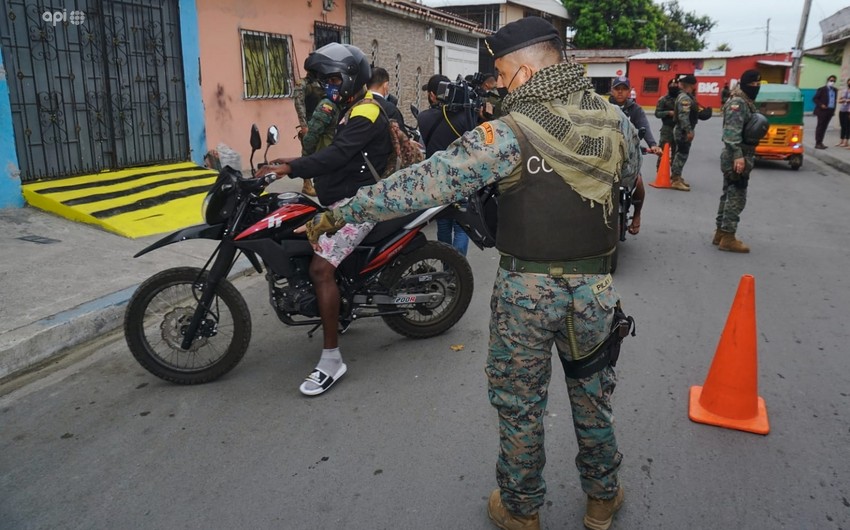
(339, 169)
(436, 132)
(822, 98)
(390, 108)
(637, 116)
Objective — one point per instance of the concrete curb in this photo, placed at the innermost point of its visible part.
(31, 346)
(828, 159)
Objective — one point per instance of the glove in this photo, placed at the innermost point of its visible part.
(323, 223)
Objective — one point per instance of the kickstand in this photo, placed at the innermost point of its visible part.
(312, 331)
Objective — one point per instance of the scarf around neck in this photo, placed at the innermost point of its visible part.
(576, 131)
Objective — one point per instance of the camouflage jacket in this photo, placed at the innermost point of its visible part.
(686, 113)
(321, 128)
(484, 155)
(665, 105)
(736, 113)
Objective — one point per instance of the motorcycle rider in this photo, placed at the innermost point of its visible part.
(337, 172)
(621, 96)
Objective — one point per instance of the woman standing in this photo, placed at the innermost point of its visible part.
(844, 116)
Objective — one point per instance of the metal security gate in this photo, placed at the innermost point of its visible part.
(94, 84)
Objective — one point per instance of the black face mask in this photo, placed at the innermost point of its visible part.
(673, 90)
(502, 92)
(751, 91)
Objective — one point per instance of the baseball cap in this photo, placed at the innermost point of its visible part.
(621, 80)
(433, 83)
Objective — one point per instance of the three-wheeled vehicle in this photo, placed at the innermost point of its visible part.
(782, 105)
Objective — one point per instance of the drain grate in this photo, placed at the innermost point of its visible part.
(39, 239)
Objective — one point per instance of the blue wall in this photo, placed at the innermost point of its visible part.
(192, 80)
(808, 94)
(10, 178)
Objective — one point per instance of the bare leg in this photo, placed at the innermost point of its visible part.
(637, 201)
(327, 292)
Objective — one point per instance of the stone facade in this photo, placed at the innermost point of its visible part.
(403, 46)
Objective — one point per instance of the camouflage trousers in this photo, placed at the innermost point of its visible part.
(734, 196)
(666, 137)
(530, 312)
(683, 149)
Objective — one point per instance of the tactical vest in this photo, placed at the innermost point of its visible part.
(541, 218)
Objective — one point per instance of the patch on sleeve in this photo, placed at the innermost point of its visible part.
(734, 106)
(327, 108)
(489, 134)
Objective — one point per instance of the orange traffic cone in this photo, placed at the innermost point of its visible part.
(729, 398)
(662, 178)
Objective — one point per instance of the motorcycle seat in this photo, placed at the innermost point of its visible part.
(385, 229)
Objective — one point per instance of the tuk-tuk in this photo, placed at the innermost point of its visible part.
(782, 105)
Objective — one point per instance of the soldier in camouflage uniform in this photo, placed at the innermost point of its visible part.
(321, 128)
(306, 96)
(736, 161)
(683, 132)
(557, 228)
(665, 110)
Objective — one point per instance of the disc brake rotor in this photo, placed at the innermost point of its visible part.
(173, 328)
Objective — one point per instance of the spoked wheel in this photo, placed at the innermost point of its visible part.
(159, 314)
(434, 268)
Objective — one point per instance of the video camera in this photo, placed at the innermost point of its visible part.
(458, 95)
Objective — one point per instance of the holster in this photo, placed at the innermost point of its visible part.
(607, 352)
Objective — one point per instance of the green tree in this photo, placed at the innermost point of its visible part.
(615, 23)
(723, 47)
(682, 31)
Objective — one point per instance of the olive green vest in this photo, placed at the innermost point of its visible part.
(541, 218)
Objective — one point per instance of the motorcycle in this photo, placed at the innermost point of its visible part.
(190, 325)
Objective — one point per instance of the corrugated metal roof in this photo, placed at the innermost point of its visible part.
(552, 7)
(697, 55)
(420, 10)
(606, 53)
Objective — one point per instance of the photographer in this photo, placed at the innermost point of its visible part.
(449, 116)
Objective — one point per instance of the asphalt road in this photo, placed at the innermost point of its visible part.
(408, 440)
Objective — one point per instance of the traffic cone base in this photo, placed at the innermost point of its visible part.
(662, 177)
(757, 424)
(729, 397)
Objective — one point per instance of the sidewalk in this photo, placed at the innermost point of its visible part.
(64, 283)
(837, 157)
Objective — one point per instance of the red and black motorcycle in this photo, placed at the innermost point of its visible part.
(190, 325)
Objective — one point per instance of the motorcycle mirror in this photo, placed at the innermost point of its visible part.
(414, 111)
(272, 136)
(256, 141)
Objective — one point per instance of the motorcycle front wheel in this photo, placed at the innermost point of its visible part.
(159, 313)
(433, 268)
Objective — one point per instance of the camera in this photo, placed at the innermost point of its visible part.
(458, 95)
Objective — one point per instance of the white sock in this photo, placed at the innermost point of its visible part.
(331, 361)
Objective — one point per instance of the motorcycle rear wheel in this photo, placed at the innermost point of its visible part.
(159, 313)
(426, 320)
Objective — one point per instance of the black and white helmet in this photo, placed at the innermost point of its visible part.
(344, 60)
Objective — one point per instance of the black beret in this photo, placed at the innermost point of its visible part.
(520, 34)
(688, 79)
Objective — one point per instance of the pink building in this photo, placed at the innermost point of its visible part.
(251, 53)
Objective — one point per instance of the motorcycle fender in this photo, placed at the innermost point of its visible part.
(202, 231)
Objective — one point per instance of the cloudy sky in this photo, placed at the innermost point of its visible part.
(743, 23)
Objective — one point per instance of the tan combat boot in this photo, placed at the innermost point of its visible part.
(506, 520)
(600, 512)
(718, 235)
(730, 244)
(308, 189)
(678, 184)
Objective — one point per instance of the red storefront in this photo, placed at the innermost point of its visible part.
(650, 72)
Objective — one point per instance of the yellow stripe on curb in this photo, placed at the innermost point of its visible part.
(133, 203)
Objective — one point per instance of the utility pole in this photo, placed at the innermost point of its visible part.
(767, 37)
(797, 53)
